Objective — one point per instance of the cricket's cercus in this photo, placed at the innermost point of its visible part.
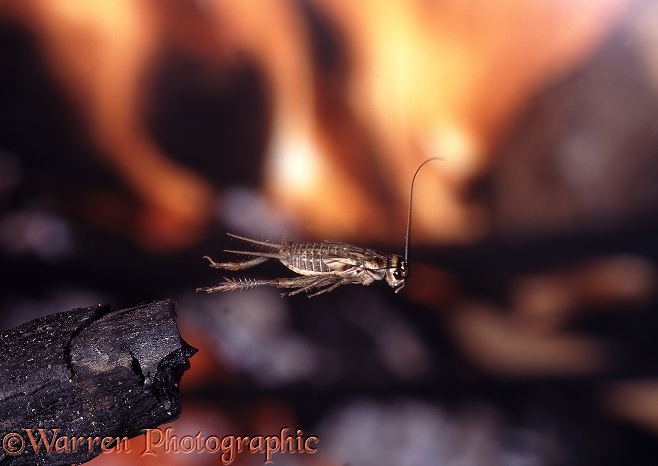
(321, 266)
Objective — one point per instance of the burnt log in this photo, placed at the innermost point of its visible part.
(80, 382)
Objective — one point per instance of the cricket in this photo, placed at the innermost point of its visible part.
(322, 267)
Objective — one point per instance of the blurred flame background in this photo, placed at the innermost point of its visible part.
(135, 133)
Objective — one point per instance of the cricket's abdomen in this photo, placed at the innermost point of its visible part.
(307, 258)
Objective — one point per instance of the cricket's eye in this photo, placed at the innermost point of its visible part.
(397, 274)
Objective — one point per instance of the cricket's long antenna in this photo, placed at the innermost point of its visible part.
(411, 196)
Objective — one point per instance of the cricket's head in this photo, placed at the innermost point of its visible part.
(396, 272)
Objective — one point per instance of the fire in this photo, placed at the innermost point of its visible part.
(415, 80)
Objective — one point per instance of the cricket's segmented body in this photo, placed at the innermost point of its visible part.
(322, 266)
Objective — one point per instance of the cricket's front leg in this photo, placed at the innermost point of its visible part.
(236, 265)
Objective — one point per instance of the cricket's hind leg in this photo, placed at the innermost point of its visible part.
(241, 284)
(236, 265)
(302, 284)
(331, 287)
(317, 282)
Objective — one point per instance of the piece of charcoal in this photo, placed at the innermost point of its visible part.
(85, 377)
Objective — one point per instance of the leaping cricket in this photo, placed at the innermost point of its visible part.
(321, 266)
